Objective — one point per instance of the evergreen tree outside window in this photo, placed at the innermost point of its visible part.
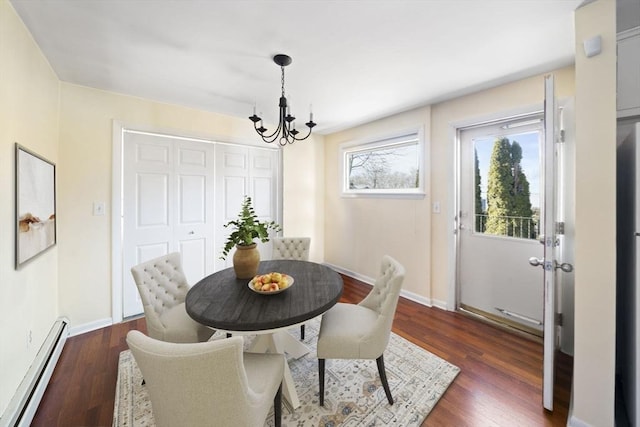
(504, 204)
(480, 219)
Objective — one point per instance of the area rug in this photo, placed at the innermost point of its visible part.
(353, 393)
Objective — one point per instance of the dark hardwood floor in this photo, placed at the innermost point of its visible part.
(499, 384)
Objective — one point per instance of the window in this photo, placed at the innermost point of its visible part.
(507, 179)
(392, 166)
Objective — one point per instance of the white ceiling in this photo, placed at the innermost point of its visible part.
(355, 61)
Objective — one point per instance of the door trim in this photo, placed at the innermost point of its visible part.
(116, 222)
(453, 294)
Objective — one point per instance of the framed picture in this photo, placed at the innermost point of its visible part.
(35, 205)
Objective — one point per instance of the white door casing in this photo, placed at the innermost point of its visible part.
(565, 185)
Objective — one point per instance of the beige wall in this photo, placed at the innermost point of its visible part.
(85, 173)
(359, 231)
(595, 308)
(303, 205)
(29, 116)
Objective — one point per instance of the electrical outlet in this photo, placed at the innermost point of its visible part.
(436, 207)
(29, 338)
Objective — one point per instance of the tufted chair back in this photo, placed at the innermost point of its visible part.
(208, 384)
(296, 248)
(383, 298)
(291, 248)
(163, 288)
(161, 282)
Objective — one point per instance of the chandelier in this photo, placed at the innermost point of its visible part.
(286, 132)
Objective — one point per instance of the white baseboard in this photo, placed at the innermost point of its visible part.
(365, 279)
(91, 326)
(416, 298)
(576, 422)
(406, 294)
(442, 305)
(572, 420)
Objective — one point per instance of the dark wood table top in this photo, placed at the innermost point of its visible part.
(224, 302)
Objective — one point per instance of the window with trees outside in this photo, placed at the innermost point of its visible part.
(392, 166)
(507, 184)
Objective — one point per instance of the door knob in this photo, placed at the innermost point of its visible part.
(536, 261)
(565, 266)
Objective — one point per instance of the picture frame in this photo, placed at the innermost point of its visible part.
(35, 198)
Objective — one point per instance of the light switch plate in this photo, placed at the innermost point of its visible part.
(98, 208)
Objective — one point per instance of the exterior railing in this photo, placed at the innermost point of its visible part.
(511, 226)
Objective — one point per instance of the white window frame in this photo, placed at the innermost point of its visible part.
(398, 138)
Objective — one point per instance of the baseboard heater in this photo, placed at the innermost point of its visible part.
(25, 401)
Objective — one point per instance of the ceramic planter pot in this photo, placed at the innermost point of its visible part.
(245, 261)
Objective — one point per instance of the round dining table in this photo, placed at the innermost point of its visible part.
(226, 303)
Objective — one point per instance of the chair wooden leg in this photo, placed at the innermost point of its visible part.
(301, 332)
(277, 407)
(383, 378)
(321, 380)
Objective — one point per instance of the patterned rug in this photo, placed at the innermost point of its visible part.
(353, 393)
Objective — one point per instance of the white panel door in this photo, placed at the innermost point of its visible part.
(168, 197)
(195, 198)
(244, 171)
(495, 279)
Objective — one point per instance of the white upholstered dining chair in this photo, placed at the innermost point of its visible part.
(350, 331)
(163, 287)
(208, 384)
(296, 248)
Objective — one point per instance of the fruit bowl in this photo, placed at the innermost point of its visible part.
(270, 283)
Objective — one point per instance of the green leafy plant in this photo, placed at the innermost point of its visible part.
(247, 228)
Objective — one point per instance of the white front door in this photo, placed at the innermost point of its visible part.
(168, 194)
(504, 272)
(558, 235)
(500, 190)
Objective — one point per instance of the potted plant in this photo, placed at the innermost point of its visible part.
(245, 230)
